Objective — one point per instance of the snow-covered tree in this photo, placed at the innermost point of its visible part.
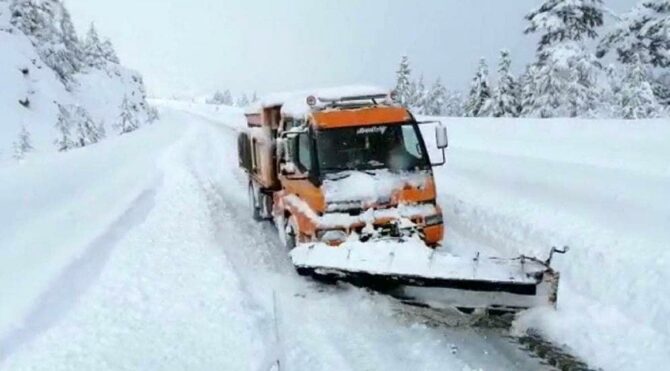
(64, 127)
(48, 25)
(454, 104)
(87, 130)
(403, 84)
(221, 98)
(642, 33)
(242, 100)
(254, 98)
(564, 79)
(417, 95)
(479, 102)
(23, 144)
(127, 120)
(506, 94)
(635, 99)
(98, 53)
(152, 114)
(565, 20)
(436, 99)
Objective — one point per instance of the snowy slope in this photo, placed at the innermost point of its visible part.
(600, 187)
(184, 279)
(25, 76)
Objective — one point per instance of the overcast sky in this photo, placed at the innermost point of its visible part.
(196, 46)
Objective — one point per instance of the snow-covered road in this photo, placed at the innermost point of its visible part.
(177, 276)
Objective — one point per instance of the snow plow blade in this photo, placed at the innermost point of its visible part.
(426, 276)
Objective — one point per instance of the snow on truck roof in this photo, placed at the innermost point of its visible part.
(294, 103)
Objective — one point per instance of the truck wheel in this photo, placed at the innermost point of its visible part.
(253, 203)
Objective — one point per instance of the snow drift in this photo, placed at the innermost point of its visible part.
(599, 186)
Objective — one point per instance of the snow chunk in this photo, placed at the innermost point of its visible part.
(370, 187)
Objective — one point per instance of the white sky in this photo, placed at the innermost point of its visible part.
(196, 46)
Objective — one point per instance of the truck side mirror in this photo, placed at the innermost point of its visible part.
(441, 138)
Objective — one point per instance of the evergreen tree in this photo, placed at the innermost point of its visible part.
(642, 33)
(242, 101)
(479, 102)
(506, 95)
(127, 120)
(635, 98)
(417, 96)
(454, 104)
(49, 27)
(217, 98)
(403, 84)
(23, 144)
(227, 98)
(64, 126)
(254, 98)
(564, 79)
(98, 53)
(87, 131)
(436, 99)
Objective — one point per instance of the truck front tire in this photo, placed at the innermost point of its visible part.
(253, 203)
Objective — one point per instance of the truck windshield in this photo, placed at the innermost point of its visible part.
(395, 147)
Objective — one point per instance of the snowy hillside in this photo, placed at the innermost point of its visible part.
(45, 66)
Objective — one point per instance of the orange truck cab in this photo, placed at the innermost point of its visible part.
(330, 168)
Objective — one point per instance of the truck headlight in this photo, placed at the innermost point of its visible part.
(433, 220)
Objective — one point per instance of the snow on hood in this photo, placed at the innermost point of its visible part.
(368, 187)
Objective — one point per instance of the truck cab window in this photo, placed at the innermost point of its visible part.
(304, 152)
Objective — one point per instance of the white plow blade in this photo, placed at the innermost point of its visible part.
(474, 282)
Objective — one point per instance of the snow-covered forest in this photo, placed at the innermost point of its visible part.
(61, 90)
(590, 63)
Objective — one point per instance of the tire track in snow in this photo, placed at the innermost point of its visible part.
(73, 282)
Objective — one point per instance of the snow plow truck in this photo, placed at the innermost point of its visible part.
(347, 179)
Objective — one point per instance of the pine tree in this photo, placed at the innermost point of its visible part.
(479, 102)
(127, 120)
(454, 104)
(436, 100)
(217, 98)
(254, 98)
(417, 96)
(49, 27)
(506, 94)
(403, 84)
(564, 79)
(242, 101)
(635, 98)
(227, 99)
(87, 131)
(642, 33)
(64, 126)
(23, 144)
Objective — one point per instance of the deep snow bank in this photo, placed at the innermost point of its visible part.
(53, 207)
(601, 187)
